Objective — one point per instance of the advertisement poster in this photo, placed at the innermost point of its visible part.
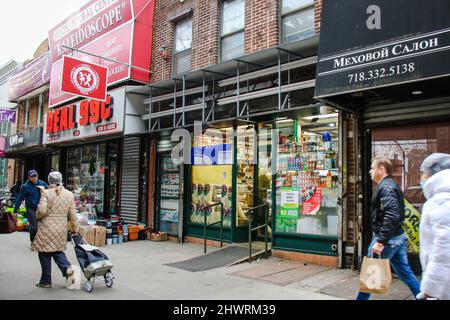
(211, 184)
(290, 203)
(311, 207)
(411, 227)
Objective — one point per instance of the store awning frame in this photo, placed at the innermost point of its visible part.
(212, 79)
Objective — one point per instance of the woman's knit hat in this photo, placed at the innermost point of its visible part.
(55, 177)
(435, 163)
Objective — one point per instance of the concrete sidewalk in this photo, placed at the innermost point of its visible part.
(141, 274)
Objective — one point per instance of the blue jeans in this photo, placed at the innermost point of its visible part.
(45, 258)
(32, 220)
(396, 252)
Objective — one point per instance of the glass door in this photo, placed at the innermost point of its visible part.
(265, 172)
(169, 204)
(245, 183)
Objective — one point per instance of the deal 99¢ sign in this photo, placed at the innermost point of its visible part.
(87, 118)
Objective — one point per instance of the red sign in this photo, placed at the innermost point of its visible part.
(120, 30)
(91, 112)
(84, 79)
(312, 206)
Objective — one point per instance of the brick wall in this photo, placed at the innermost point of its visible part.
(262, 30)
(261, 25)
(205, 34)
(317, 14)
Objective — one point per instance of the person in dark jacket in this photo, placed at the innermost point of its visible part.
(31, 194)
(15, 189)
(387, 216)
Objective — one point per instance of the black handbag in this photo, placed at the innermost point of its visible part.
(7, 221)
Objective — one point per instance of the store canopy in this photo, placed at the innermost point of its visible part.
(269, 62)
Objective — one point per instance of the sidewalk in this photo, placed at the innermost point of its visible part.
(142, 274)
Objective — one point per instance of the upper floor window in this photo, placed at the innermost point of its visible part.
(232, 33)
(297, 20)
(183, 46)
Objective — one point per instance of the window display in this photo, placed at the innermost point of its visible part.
(245, 172)
(212, 177)
(307, 177)
(86, 178)
(211, 184)
(169, 195)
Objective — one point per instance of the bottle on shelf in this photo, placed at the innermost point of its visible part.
(329, 179)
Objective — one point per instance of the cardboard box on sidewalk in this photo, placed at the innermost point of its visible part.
(100, 236)
(88, 234)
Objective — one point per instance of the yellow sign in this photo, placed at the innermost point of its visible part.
(411, 227)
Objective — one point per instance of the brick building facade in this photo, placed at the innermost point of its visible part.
(262, 31)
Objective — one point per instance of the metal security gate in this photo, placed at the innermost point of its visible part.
(130, 180)
(407, 112)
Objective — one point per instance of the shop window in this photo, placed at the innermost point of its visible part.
(232, 32)
(183, 45)
(212, 177)
(86, 178)
(297, 20)
(307, 176)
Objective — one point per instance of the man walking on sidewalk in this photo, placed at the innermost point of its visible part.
(387, 215)
(31, 194)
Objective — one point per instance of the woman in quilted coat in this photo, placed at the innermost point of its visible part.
(56, 214)
(435, 228)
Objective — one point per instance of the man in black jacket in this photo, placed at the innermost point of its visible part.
(387, 215)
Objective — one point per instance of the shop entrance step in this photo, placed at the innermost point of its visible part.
(258, 246)
(224, 257)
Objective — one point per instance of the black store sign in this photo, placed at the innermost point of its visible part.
(372, 43)
(27, 138)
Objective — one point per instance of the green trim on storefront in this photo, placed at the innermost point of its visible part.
(305, 243)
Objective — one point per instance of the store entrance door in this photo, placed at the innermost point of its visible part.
(407, 147)
(170, 199)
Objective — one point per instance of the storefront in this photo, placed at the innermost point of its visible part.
(90, 136)
(272, 145)
(394, 75)
(26, 147)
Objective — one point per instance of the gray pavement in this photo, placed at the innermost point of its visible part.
(142, 275)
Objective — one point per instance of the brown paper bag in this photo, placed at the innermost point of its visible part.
(375, 276)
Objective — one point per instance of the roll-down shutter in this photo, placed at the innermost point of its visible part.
(407, 112)
(130, 180)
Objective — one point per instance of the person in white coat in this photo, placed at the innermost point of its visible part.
(434, 229)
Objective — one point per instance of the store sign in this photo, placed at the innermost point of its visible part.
(220, 154)
(311, 207)
(411, 227)
(119, 30)
(86, 118)
(31, 77)
(84, 79)
(290, 202)
(8, 115)
(2, 147)
(27, 138)
(367, 44)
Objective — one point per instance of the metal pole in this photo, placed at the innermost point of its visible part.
(238, 89)
(267, 231)
(175, 104)
(221, 224)
(107, 59)
(204, 98)
(204, 232)
(279, 80)
(250, 236)
(184, 98)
